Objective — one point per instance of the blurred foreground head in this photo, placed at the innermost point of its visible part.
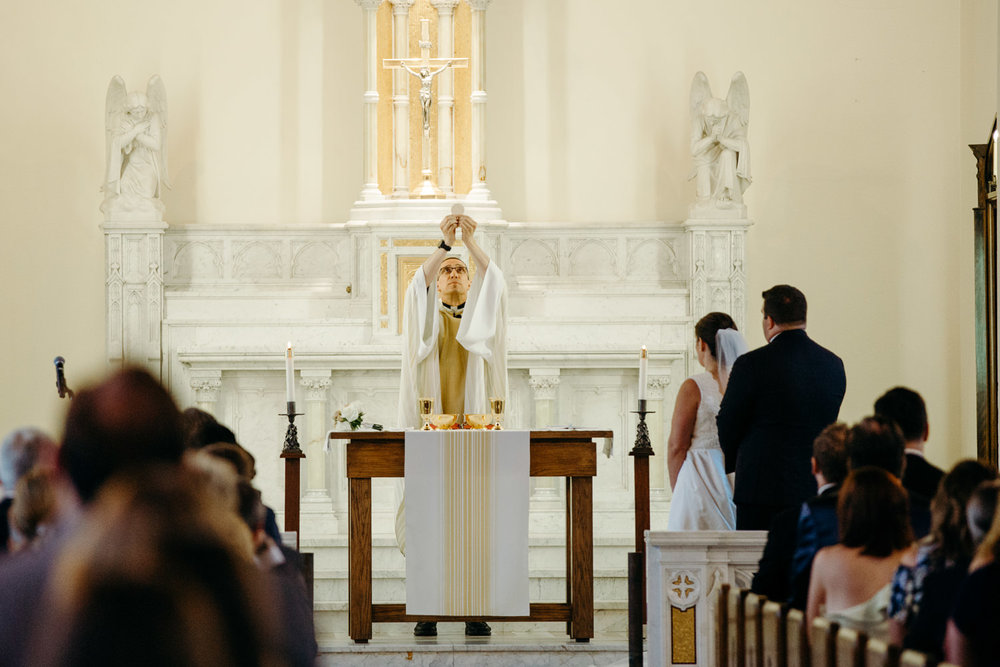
(155, 577)
(126, 422)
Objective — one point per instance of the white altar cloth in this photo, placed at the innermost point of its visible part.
(467, 522)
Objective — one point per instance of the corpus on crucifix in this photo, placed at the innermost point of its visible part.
(425, 69)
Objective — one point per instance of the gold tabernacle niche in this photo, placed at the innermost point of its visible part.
(425, 83)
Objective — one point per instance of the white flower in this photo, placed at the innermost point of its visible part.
(350, 412)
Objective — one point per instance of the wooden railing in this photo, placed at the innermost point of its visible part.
(753, 632)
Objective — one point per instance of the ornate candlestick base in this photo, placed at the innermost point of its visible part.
(642, 445)
(292, 434)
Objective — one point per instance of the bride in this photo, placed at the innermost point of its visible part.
(702, 494)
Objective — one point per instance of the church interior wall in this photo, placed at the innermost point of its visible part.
(860, 116)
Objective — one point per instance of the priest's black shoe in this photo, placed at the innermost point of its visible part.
(425, 629)
(477, 629)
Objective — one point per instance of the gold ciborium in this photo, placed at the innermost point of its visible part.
(426, 408)
(496, 407)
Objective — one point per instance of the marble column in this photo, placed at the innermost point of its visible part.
(370, 191)
(205, 385)
(656, 383)
(401, 100)
(134, 293)
(316, 502)
(544, 383)
(477, 65)
(445, 97)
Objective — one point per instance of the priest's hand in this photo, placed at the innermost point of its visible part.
(448, 228)
(468, 227)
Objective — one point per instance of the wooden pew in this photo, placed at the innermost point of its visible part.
(722, 638)
(753, 630)
(773, 631)
(796, 639)
(736, 648)
(823, 643)
(850, 648)
(881, 654)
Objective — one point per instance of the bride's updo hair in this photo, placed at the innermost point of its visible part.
(708, 326)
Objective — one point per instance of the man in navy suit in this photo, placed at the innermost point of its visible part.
(906, 407)
(779, 398)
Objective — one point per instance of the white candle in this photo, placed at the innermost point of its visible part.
(642, 374)
(289, 375)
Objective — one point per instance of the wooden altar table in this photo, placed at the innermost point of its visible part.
(564, 453)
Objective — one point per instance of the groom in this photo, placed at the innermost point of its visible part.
(779, 398)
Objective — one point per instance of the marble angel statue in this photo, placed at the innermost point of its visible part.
(136, 136)
(719, 145)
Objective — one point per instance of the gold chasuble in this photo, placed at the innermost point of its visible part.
(453, 359)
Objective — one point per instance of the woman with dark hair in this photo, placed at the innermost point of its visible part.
(973, 633)
(851, 581)
(924, 588)
(702, 494)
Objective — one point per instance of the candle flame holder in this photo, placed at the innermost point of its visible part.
(292, 434)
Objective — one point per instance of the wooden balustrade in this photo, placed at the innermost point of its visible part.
(753, 632)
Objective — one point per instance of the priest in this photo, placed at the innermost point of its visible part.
(454, 340)
(454, 345)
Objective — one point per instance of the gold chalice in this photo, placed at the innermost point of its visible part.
(426, 408)
(496, 407)
(478, 421)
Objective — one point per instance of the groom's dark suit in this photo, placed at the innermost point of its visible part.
(778, 399)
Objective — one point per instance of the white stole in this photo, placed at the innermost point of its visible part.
(467, 522)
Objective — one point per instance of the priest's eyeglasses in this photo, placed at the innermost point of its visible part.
(456, 269)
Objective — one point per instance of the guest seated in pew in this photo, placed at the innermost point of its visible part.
(829, 467)
(21, 451)
(907, 408)
(924, 587)
(34, 509)
(157, 574)
(201, 430)
(124, 424)
(851, 581)
(873, 441)
(979, 513)
(973, 633)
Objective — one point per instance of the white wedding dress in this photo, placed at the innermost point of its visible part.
(703, 495)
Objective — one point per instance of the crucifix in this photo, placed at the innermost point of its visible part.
(425, 69)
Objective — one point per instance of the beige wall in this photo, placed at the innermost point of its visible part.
(861, 112)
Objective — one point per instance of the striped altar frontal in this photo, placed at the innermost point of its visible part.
(467, 522)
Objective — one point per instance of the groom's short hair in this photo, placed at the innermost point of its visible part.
(784, 304)
(830, 452)
(876, 441)
(906, 408)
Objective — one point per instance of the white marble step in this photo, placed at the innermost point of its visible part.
(455, 650)
(543, 586)
(610, 623)
(545, 552)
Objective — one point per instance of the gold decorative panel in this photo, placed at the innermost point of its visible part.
(683, 626)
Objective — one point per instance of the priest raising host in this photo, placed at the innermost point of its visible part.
(454, 344)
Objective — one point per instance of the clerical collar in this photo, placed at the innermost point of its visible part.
(454, 311)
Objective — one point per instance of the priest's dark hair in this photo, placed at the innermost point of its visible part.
(876, 441)
(785, 304)
(708, 326)
(873, 512)
(124, 423)
(905, 407)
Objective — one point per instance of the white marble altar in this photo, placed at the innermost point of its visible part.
(683, 573)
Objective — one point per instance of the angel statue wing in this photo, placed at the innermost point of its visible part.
(700, 91)
(114, 109)
(156, 98)
(738, 98)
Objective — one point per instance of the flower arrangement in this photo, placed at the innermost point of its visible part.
(351, 417)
